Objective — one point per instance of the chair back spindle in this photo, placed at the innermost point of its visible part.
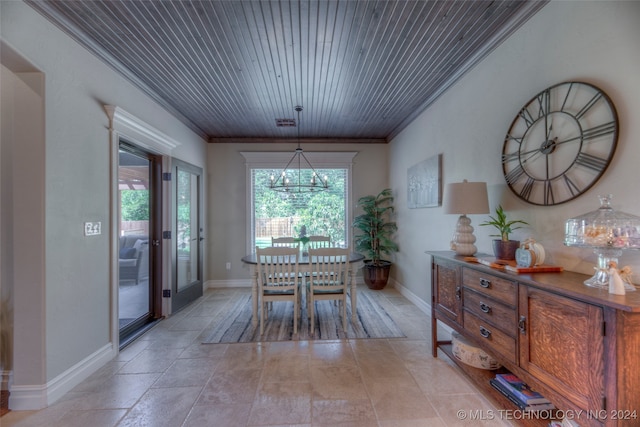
(328, 279)
(316, 242)
(278, 279)
(288, 242)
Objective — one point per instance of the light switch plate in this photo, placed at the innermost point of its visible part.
(92, 228)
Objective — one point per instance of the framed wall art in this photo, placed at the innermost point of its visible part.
(424, 182)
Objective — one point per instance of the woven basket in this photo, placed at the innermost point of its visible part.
(471, 355)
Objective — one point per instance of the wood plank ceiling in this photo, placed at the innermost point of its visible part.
(362, 70)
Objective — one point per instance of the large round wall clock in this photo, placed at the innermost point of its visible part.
(560, 143)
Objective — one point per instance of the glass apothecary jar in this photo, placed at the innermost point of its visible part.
(608, 232)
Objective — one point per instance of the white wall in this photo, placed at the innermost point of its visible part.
(76, 167)
(595, 42)
(227, 205)
(23, 231)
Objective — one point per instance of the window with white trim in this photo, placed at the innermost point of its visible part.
(278, 214)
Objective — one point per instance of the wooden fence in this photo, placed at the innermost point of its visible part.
(134, 227)
(276, 227)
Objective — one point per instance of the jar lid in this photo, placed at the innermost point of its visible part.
(604, 228)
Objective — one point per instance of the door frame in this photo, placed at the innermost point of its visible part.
(196, 288)
(155, 238)
(125, 126)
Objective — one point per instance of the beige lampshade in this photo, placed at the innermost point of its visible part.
(466, 198)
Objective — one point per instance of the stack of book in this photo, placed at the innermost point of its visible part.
(566, 422)
(514, 389)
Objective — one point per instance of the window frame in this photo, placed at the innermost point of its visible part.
(278, 159)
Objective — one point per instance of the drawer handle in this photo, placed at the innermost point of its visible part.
(485, 332)
(522, 325)
(458, 292)
(485, 308)
(485, 283)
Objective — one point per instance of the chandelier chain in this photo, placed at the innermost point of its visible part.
(283, 183)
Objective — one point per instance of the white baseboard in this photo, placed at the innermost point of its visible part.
(420, 303)
(424, 306)
(238, 283)
(39, 396)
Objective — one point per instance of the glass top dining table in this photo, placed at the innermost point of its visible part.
(355, 261)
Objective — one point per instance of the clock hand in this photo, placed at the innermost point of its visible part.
(547, 126)
(546, 159)
(555, 143)
(535, 150)
(539, 150)
(575, 138)
(532, 155)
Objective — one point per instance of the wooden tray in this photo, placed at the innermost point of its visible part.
(500, 264)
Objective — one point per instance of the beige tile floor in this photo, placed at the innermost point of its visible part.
(167, 378)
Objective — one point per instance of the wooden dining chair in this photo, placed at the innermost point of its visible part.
(316, 242)
(285, 242)
(288, 242)
(328, 279)
(278, 280)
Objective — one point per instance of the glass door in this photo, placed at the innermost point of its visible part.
(189, 234)
(139, 195)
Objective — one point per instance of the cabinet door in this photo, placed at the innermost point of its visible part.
(561, 343)
(447, 291)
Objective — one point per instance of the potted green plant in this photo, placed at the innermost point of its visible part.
(503, 248)
(375, 238)
(303, 239)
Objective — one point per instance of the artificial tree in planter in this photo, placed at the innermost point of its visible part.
(375, 238)
(503, 248)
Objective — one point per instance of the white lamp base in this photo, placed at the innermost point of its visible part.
(463, 239)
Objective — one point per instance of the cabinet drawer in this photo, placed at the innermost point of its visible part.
(492, 286)
(492, 338)
(488, 310)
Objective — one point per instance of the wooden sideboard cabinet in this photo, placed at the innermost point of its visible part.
(447, 291)
(577, 345)
(562, 344)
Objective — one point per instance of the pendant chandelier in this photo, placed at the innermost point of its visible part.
(291, 180)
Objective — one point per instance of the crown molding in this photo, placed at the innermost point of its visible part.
(135, 130)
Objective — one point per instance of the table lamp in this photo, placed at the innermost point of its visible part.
(465, 198)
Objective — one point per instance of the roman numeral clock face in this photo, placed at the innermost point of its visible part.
(560, 143)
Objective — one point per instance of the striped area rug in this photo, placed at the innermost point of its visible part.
(233, 323)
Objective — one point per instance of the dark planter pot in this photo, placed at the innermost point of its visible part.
(5, 385)
(4, 402)
(376, 276)
(505, 250)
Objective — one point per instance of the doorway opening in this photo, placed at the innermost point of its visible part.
(139, 225)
